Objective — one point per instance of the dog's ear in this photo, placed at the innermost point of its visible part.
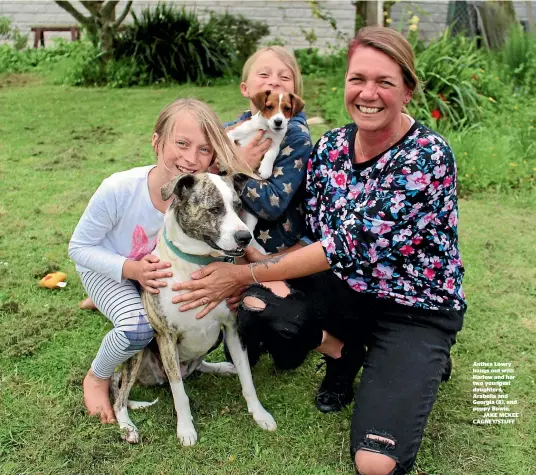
(297, 103)
(239, 182)
(259, 99)
(179, 186)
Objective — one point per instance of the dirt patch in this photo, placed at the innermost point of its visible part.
(529, 324)
(19, 80)
(96, 134)
(23, 332)
(70, 158)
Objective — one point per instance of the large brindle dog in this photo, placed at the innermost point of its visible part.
(202, 222)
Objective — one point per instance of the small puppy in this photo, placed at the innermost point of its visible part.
(200, 225)
(275, 110)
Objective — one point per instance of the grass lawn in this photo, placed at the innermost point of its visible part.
(57, 145)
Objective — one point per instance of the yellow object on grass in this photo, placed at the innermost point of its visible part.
(54, 280)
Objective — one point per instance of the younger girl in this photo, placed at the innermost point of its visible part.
(113, 240)
(275, 201)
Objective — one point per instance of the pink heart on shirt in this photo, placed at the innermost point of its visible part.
(141, 246)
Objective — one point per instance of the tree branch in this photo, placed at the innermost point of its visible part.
(123, 15)
(93, 7)
(75, 13)
(109, 8)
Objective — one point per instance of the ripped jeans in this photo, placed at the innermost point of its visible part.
(406, 352)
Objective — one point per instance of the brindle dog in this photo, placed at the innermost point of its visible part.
(201, 222)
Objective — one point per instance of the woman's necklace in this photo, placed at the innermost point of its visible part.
(388, 146)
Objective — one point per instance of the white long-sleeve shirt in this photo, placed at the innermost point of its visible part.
(119, 223)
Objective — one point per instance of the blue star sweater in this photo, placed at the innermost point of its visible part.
(277, 201)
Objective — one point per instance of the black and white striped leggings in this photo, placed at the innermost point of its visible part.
(122, 305)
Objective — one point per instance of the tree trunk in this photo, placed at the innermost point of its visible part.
(366, 13)
(101, 24)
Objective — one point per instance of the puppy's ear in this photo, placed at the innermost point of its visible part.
(239, 182)
(179, 186)
(259, 99)
(297, 103)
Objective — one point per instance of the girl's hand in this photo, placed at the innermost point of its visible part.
(211, 285)
(146, 271)
(254, 255)
(253, 152)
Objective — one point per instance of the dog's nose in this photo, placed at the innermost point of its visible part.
(242, 238)
(278, 122)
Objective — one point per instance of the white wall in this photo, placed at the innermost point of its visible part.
(286, 18)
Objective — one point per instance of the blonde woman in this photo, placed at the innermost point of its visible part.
(115, 236)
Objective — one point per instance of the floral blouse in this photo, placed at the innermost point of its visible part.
(389, 226)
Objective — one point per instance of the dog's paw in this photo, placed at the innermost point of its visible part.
(225, 368)
(130, 434)
(264, 419)
(187, 435)
(265, 171)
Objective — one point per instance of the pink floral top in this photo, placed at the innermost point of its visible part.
(389, 226)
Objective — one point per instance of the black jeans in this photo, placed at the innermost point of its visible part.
(406, 352)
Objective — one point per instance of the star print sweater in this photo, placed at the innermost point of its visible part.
(277, 201)
(389, 226)
(119, 223)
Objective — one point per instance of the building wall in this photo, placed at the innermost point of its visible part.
(286, 18)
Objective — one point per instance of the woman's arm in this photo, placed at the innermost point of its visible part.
(217, 281)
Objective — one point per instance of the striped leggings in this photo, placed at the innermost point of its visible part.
(122, 305)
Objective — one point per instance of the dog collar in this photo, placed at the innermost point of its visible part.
(192, 258)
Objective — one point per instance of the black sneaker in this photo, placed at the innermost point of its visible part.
(337, 389)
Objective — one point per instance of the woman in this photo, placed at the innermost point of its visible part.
(382, 219)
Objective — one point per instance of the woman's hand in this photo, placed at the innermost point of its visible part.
(146, 271)
(234, 300)
(210, 286)
(254, 151)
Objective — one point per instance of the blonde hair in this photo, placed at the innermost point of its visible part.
(285, 56)
(393, 44)
(224, 151)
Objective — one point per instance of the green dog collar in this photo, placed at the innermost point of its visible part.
(192, 258)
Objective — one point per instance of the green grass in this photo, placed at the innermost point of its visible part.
(57, 146)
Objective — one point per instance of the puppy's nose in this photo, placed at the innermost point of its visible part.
(278, 122)
(242, 238)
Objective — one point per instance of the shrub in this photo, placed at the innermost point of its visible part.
(7, 32)
(86, 68)
(313, 63)
(500, 161)
(15, 61)
(449, 68)
(242, 35)
(518, 60)
(171, 44)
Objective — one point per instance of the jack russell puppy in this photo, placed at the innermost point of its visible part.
(201, 225)
(274, 112)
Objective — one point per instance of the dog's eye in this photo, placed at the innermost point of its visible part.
(287, 109)
(269, 107)
(215, 210)
(237, 204)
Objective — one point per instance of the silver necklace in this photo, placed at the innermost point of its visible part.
(388, 146)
